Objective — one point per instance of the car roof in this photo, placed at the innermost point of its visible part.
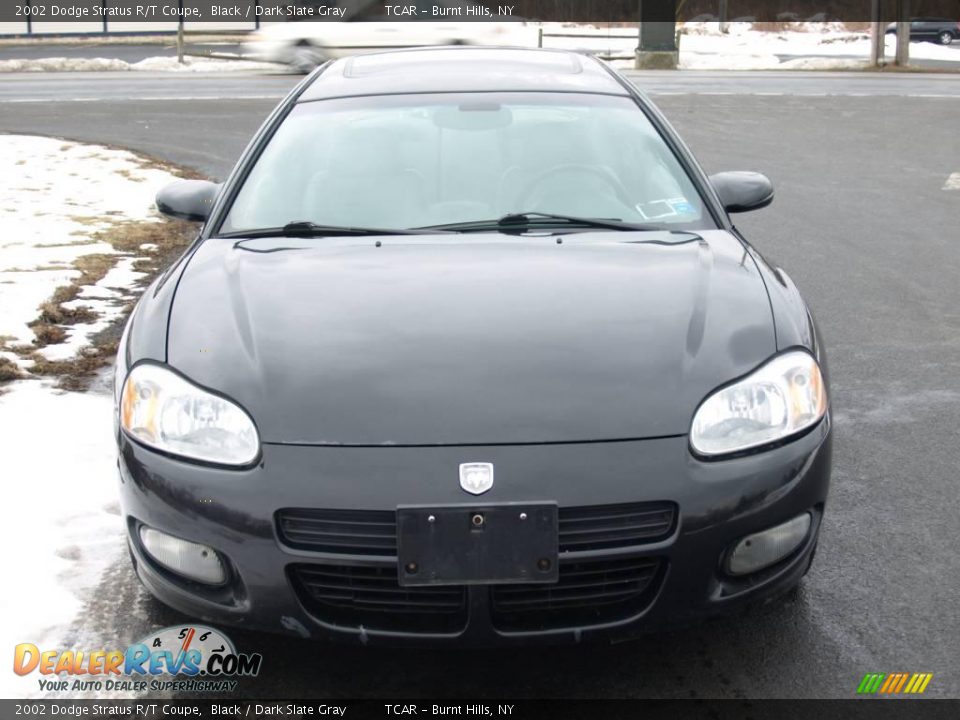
(462, 69)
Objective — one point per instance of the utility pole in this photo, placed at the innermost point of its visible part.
(180, 33)
(723, 16)
(180, 41)
(903, 33)
(877, 35)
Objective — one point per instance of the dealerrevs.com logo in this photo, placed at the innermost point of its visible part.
(191, 658)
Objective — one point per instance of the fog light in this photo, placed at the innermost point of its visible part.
(192, 560)
(765, 548)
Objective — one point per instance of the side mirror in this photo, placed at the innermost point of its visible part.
(741, 191)
(188, 199)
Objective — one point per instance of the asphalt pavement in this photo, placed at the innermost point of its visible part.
(863, 225)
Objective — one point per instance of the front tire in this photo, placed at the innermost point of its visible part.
(946, 37)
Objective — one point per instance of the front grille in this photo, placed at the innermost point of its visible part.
(346, 532)
(598, 527)
(355, 595)
(374, 532)
(588, 593)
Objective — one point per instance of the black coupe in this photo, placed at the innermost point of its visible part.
(469, 351)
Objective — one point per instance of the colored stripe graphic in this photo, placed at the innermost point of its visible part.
(894, 683)
(922, 684)
(889, 682)
(865, 684)
(870, 683)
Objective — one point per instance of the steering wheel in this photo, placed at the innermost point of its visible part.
(606, 176)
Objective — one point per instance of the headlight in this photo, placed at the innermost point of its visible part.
(778, 400)
(161, 409)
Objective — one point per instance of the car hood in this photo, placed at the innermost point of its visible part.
(470, 339)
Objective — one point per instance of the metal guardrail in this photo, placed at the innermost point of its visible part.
(184, 51)
(594, 36)
(608, 56)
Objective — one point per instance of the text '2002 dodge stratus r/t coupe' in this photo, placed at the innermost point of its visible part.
(469, 351)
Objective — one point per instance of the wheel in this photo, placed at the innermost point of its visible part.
(946, 37)
(305, 57)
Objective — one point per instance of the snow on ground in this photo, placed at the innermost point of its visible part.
(817, 46)
(60, 522)
(159, 63)
(704, 47)
(53, 195)
(813, 45)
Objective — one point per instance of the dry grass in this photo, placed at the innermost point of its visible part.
(129, 175)
(88, 241)
(165, 239)
(147, 162)
(77, 372)
(57, 314)
(86, 219)
(94, 267)
(47, 334)
(9, 370)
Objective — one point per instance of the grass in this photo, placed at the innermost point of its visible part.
(77, 372)
(55, 313)
(47, 334)
(93, 268)
(9, 370)
(165, 240)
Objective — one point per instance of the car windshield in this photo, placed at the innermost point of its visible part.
(414, 161)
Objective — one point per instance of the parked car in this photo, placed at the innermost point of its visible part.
(469, 351)
(932, 29)
(364, 27)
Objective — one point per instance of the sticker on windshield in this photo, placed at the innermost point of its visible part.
(667, 208)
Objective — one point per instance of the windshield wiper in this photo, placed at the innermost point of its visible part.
(534, 220)
(311, 229)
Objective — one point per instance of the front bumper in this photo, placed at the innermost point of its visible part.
(680, 577)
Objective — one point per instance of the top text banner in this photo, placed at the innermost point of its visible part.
(116, 12)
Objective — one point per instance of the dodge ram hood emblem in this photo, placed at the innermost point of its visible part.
(476, 478)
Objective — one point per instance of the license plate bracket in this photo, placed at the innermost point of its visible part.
(477, 544)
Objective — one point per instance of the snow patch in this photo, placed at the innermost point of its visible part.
(829, 47)
(152, 64)
(54, 195)
(804, 46)
(824, 63)
(59, 516)
(59, 521)
(701, 61)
